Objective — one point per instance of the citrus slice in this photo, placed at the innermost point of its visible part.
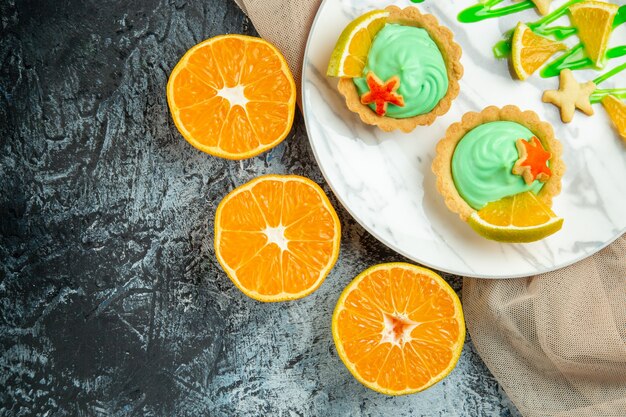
(617, 112)
(350, 53)
(398, 328)
(594, 22)
(515, 219)
(232, 96)
(543, 6)
(277, 237)
(530, 51)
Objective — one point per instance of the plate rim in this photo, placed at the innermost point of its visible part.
(381, 239)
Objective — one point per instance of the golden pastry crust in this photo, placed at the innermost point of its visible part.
(445, 149)
(451, 53)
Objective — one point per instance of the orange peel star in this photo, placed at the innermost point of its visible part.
(382, 93)
(532, 162)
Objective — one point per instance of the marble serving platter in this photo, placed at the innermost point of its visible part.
(384, 179)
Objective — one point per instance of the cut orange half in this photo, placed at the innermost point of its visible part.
(232, 96)
(617, 112)
(398, 328)
(594, 22)
(350, 54)
(516, 219)
(530, 51)
(277, 237)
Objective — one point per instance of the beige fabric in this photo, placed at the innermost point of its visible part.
(286, 24)
(556, 342)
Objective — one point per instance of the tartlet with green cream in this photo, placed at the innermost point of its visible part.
(404, 75)
(499, 171)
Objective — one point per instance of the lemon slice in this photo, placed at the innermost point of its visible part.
(594, 21)
(350, 53)
(530, 51)
(516, 219)
(543, 6)
(617, 112)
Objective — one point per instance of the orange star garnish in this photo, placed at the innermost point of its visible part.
(532, 162)
(382, 93)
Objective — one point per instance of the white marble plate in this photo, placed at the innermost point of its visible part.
(384, 179)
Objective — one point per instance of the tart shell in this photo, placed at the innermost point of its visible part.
(442, 164)
(451, 53)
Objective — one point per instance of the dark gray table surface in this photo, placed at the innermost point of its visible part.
(111, 300)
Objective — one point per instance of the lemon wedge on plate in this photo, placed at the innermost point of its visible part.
(617, 113)
(350, 54)
(594, 21)
(516, 219)
(531, 51)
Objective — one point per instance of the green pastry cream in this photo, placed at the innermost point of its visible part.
(413, 56)
(483, 160)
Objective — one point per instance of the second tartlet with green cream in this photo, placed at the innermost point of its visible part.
(499, 171)
(399, 68)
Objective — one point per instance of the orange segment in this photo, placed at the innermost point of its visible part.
(263, 272)
(617, 112)
(202, 63)
(531, 51)
(269, 197)
(423, 299)
(205, 120)
(241, 214)
(275, 88)
(260, 62)
(359, 347)
(436, 356)
(415, 366)
(267, 119)
(369, 366)
(594, 21)
(237, 135)
(431, 307)
(365, 308)
(377, 289)
(300, 274)
(238, 247)
(311, 253)
(298, 202)
(395, 376)
(355, 327)
(196, 89)
(438, 330)
(232, 96)
(266, 257)
(229, 55)
(385, 347)
(317, 225)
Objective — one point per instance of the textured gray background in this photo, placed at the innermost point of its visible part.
(111, 300)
